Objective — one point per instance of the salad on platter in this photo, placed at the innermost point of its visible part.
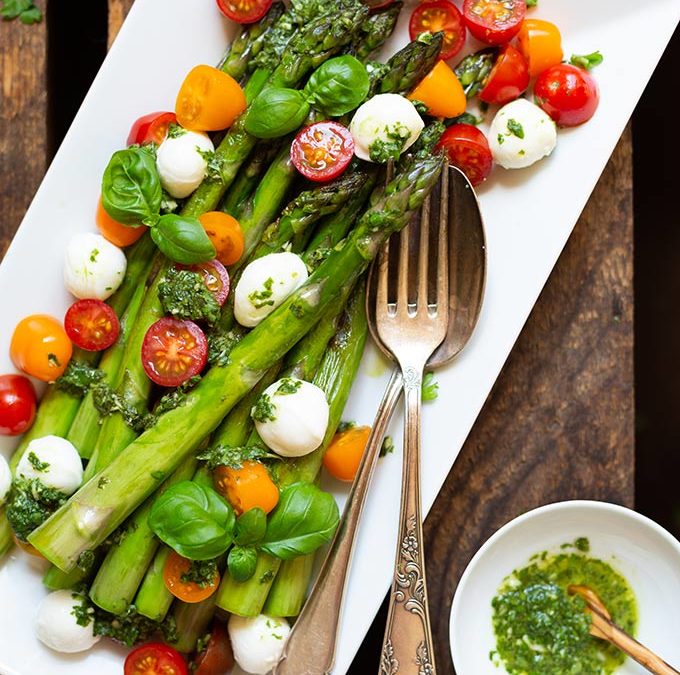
(196, 385)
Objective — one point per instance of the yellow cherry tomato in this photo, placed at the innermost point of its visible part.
(541, 45)
(209, 100)
(344, 454)
(247, 487)
(226, 236)
(40, 347)
(441, 92)
(186, 591)
(115, 232)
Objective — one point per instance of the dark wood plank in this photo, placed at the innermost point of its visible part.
(118, 10)
(559, 423)
(23, 121)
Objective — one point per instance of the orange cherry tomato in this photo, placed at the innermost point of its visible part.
(344, 454)
(247, 487)
(441, 92)
(115, 232)
(541, 44)
(209, 100)
(226, 235)
(26, 547)
(186, 591)
(40, 347)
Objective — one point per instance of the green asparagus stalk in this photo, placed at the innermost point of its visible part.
(6, 541)
(375, 31)
(474, 69)
(289, 590)
(192, 621)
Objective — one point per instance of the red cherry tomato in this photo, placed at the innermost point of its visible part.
(322, 151)
(217, 657)
(377, 4)
(508, 79)
(568, 94)
(467, 148)
(155, 658)
(215, 278)
(17, 404)
(244, 11)
(151, 128)
(433, 16)
(173, 350)
(91, 325)
(494, 21)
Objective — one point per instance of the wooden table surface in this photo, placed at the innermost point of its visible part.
(559, 423)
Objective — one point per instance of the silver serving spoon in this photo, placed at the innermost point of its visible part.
(310, 648)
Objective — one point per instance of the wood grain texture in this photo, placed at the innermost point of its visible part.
(118, 10)
(23, 121)
(559, 423)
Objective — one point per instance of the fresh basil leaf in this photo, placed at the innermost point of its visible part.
(242, 561)
(251, 526)
(338, 86)
(193, 520)
(182, 239)
(276, 112)
(304, 519)
(131, 188)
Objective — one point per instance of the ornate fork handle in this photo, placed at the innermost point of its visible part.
(407, 646)
(310, 648)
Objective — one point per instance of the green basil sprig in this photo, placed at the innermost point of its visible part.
(182, 239)
(305, 518)
(251, 527)
(194, 520)
(131, 188)
(242, 561)
(276, 112)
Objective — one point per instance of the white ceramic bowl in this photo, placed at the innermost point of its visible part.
(646, 554)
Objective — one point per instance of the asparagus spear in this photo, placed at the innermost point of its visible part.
(375, 31)
(6, 540)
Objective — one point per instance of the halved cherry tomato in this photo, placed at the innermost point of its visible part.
(343, 456)
(441, 91)
(209, 100)
(322, 151)
(26, 547)
(40, 347)
(541, 44)
(377, 4)
(215, 277)
(494, 22)
(151, 128)
(433, 16)
(508, 79)
(244, 11)
(186, 591)
(247, 487)
(467, 148)
(568, 94)
(226, 236)
(115, 232)
(173, 350)
(91, 325)
(217, 657)
(155, 658)
(17, 404)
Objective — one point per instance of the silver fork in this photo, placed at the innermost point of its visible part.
(411, 325)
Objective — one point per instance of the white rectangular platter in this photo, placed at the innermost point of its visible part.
(529, 216)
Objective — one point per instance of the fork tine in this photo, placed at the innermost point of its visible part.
(443, 244)
(424, 255)
(382, 276)
(402, 272)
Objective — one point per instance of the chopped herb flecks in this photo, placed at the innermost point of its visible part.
(263, 410)
(288, 386)
(263, 298)
(515, 128)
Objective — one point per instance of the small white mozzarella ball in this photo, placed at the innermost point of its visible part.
(94, 267)
(257, 641)
(63, 469)
(521, 134)
(265, 284)
(380, 118)
(57, 627)
(181, 166)
(5, 479)
(300, 417)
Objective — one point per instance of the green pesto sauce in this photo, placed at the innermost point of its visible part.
(541, 630)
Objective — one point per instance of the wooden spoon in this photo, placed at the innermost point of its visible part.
(603, 628)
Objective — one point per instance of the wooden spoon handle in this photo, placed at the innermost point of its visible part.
(645, 657)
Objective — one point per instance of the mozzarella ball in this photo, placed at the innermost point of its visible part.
(297, 417)
(94, 267)
(181, 166)
(257, 641)
(265, 284)
(382, 118)
(5, 479)
(56, 625)
(54, 462)
(521, 134)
